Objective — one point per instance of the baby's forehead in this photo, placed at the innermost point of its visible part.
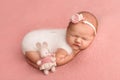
(80, 26)
(81, 31)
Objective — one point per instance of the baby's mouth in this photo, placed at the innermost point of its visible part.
(77, 45)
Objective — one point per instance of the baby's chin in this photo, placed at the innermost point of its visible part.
(76, 48)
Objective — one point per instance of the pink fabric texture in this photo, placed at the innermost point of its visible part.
(46, 59)
(101, 61)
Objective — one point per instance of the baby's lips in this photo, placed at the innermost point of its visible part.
(78, 44)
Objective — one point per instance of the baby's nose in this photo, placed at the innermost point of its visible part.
(78, 40)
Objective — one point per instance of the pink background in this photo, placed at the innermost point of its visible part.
(101, 61)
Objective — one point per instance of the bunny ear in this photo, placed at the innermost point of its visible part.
(38, 45)
(45, 44)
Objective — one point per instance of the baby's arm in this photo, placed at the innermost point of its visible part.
(33, 56)
(62, 57)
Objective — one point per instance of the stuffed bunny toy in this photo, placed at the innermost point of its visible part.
(48, 60)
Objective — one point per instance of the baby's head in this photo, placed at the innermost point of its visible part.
(81, 30)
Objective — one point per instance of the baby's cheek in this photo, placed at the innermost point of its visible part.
(70, 43)
(68, 40)
(87, 44)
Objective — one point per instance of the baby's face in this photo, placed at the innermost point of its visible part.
(79, 36)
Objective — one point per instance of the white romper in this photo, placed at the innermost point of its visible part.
(56, 38)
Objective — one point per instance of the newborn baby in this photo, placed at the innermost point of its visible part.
(65, 43)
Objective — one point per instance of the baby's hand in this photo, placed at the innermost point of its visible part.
(53, 59)
(38, 62)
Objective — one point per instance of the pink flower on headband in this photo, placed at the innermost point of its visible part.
(76, 18)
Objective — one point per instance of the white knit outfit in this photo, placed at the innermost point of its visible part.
(56, 38)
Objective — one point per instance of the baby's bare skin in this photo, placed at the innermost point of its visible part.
(62, 57)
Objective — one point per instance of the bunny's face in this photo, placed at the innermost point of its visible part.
(43, 49)
(44, 52)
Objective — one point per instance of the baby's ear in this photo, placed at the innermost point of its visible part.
(38, 45)
(45, 45)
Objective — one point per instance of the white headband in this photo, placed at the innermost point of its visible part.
(79, 17)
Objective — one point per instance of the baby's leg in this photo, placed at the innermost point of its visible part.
(32, 64)
(32, 56)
